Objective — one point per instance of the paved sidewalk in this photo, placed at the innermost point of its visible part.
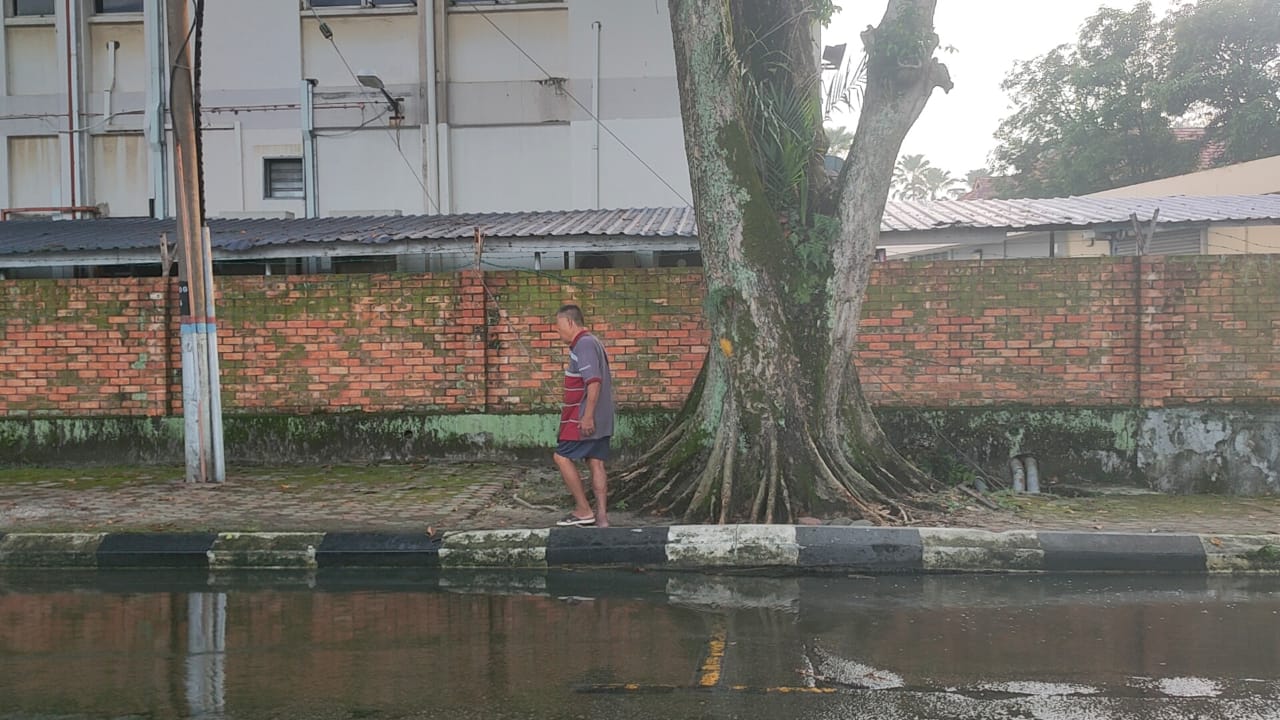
(454, 496)
(377, 498)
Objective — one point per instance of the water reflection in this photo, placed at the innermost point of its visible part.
(206, 654)
(353, 644)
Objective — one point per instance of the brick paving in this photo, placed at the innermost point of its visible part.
(454, 496)
(389, 499)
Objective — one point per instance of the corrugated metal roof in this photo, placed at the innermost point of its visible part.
(238, 235)
(1027, 214)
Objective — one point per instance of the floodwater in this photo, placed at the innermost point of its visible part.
(616, 644)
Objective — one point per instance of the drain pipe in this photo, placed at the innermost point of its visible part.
(1019, 475)
(71, 16)
(309, 148)
(1033, 474)
(595, 105)
(112, 47)
(1026, 474)
(444, 193)
(157, 63)
(432, 172)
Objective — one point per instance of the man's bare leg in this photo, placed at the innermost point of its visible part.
(573, 481)
(600, 487)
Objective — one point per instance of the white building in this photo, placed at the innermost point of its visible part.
(491, 108)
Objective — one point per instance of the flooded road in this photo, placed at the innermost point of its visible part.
(632, 645)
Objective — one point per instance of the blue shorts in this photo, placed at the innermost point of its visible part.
(597, 448)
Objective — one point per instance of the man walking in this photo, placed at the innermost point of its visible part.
(586, 419)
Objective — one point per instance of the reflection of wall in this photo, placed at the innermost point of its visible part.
(58, 635)
(398, 652)
(310, 651)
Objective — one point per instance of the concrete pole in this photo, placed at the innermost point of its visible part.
(201, 416)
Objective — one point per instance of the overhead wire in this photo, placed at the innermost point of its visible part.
(328, 34)
(594, 116)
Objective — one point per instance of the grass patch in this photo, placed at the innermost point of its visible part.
(1138, 507)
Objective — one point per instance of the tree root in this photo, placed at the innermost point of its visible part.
(739, 478)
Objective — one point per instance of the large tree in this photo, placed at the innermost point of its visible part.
(1224, 66)
(1090, 117)
(1102, 112)
(777, 425)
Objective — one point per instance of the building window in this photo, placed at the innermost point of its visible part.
(364, 264)
(103, 7)
(467, 3)
(24, 8)
(360, 3)
(283, 178)
(678, 258)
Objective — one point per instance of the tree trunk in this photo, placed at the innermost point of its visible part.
(777, 425)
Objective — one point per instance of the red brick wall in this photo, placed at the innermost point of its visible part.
(1028, 332)
(1062, 332)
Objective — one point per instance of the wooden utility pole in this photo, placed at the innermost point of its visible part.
(201, 405)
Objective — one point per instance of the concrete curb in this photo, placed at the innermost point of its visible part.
(782, 548)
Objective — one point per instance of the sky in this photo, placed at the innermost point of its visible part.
(955, 131)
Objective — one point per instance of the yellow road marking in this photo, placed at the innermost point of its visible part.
(638, 688)
(710, 671)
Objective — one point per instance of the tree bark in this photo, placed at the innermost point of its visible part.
(777, 425)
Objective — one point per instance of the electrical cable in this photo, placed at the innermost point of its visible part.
(327, 33)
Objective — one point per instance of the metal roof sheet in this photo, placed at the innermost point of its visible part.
(238, 235)
(1031, 214)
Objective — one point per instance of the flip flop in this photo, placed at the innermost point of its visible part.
(574, 521)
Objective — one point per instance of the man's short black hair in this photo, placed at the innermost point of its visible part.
(573, 312)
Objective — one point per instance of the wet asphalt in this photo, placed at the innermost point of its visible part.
(618, 645)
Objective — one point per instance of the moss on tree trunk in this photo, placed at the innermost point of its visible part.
(777, 425)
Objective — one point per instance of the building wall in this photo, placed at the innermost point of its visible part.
(31, 60)
(1259, 177)
(512, 138)
(942, 335)
(1225, 239)
(33, 170)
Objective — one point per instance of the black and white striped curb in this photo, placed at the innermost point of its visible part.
(695, 547)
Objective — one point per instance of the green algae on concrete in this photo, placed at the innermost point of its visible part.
(265, 550)
(495, 548)
(954, 549)
(1242, 553)
(302, 439)
(1093, 445)
(50, 550)
(32, 441)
